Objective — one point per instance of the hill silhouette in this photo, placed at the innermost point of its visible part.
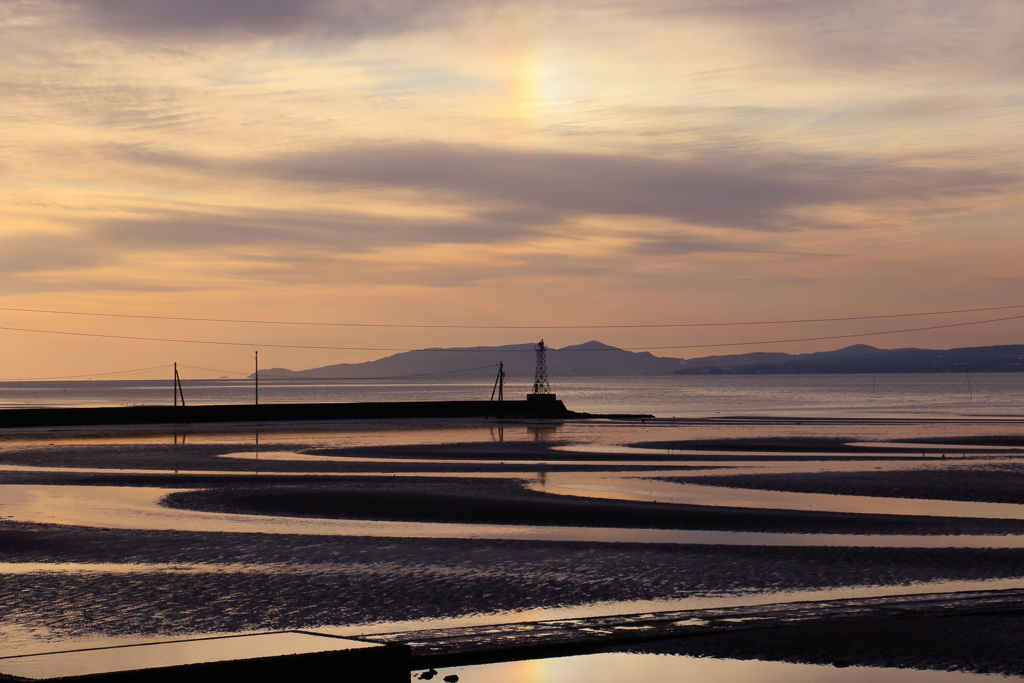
(861, 359)
(596, 359)
(592, 359)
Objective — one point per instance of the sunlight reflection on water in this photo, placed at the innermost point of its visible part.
(646, 487)
(623, 667)
(127, 508)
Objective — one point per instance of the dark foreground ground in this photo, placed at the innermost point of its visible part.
(969, 631)
(158, 583)
(977, 643)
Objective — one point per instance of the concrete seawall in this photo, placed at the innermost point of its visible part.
(137, 415)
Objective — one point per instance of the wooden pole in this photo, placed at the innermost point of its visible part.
(499, 382)
(177, 387)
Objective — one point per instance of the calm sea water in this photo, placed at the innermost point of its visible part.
(982, 394)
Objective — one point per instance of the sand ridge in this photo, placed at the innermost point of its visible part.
(244, 581)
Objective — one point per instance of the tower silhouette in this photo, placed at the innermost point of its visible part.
(540, 380)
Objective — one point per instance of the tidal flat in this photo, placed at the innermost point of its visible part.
(369, 528)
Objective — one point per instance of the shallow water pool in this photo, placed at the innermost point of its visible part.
(626, 667)
(120, 507)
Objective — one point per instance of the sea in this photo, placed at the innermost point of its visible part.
(663, 396)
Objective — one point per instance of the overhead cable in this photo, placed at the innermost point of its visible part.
(504, 350)
(91, 375)
(510, 327)
(835, 336)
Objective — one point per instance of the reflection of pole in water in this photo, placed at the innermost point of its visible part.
(257, 452)
(498, 434)
(542, 433)
(542, 478)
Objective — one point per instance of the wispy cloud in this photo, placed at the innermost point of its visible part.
(639, 157)
(748, 191)
(26, 253)
(256, 230)
(868, 36)
(220, 19)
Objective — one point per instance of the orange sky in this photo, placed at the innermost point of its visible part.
(502, 163)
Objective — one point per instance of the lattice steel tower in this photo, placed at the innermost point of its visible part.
(540, 380)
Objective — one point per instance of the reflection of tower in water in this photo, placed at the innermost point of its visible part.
(498, 434)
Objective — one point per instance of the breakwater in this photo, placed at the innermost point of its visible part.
(280, 412)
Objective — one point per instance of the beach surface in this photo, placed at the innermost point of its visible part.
(74, 579)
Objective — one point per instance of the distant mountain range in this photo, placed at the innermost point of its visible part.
(595, 359)
(861, 358)
(592, 359)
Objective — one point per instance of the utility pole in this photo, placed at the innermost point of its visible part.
(499, 383)
(177, 387)
(499, 386)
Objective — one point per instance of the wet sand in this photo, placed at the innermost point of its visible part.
(203, 582)
(982, 643)
(976, 481)
(496, 501)
(231, 582)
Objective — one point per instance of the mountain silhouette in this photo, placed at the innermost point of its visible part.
(596, 359)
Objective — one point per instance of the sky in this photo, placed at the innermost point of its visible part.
(450, 173)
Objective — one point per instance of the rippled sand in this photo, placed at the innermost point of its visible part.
(65, 580)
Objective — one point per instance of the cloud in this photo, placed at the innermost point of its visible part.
(205, 19)
(867, 35)
(22, 253)
(721, 189)
(677, 245)
(290, 233)
(211, 248)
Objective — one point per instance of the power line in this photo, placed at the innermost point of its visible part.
(230, 372)
(503, 350)
(837, 336)
(510, 327)
(198, 341)
(91, 375)
(425, 374)
(233, 360)
(235, 372)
